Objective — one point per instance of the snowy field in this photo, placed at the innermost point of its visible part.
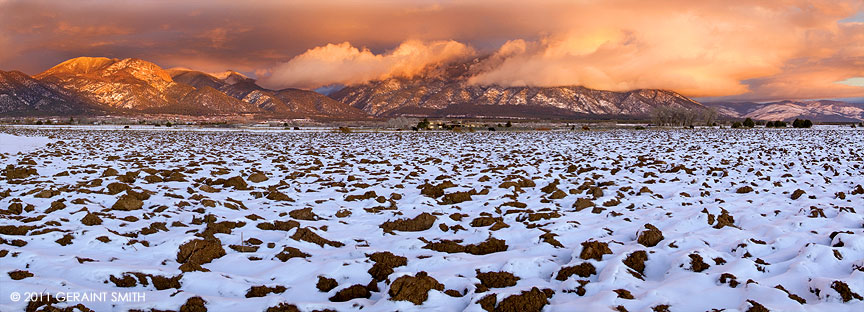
(656, 220)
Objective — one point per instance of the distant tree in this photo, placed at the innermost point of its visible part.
(39, 122)
(423, 124)
(736, 125)
(491, 129)
(168, 124)
(769, 124)
(779, 124)
(508, 124)
(802, 123)
(748, 123)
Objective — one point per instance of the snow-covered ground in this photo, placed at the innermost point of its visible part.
(662, 220)
(11, 144)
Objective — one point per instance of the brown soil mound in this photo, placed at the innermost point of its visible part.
(491, 245)
(20, 274)
(624, 294)
(279, 225)
(549, 238)
(650, 237)
(197, 252)
(243, 248)
(237, 183)
(584, 269)
(497, 279)
(756, 307)
(159, 282)
(729, 278)
(413, 288)
(15, 229)
(65, 240)
(306, 235)
(279, 196)
(261, 291)
(724, 219)
(91, 219)
(367, 195)
(117, 187)
(421, 222)
(353, 292)
(696, 263)
(844, 291)
(194, 304)
(257, 177)
(744, 189)
(291, 252)
(326, 284)
(384, 264)
(435, 191)
(485, 221)
(12, 172)
(488, 302)
(529, 301)
(127, 203)
(582, 203)
(594, 250)
(457, 197)
(797, 194)
(636, 261)
(303, 214)
(283, 307)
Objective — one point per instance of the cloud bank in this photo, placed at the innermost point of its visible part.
(715, 49)
(345, 64)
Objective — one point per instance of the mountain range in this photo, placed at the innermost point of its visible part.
(819, 110)
(104, 86)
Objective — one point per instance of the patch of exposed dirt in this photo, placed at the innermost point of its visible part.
(583, 269)
(490, 245)
(845, 292)
(303, 214)
(326, 284)
(594, 250)
(696, 263)
(261, 291)
(352, 292)
(413, 288)
(650, 237)
(636, 261)
(421, 222)
(290, 252)
(196, 252)
(384, 264)
(307, 235)
(497, 279)
(528, 301)
(20, 274)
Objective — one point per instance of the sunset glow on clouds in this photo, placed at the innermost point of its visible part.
(732, 49)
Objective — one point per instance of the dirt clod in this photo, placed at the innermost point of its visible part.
(650, 237)
(583, 269)
(594, 250)
(413, 288)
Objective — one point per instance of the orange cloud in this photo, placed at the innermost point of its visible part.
(730, 48)
(345, 64)
(708, 49)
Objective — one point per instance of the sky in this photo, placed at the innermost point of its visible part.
(718, 50)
